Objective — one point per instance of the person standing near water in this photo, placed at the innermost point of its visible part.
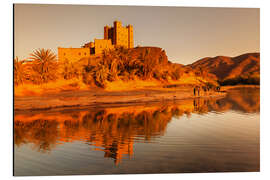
(198, 90)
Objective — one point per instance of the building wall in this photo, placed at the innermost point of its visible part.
(72, 54)
(102, 44)
(90, 45)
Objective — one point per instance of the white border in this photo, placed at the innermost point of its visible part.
(6, 85)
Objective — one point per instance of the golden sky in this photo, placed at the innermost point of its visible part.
(186, 33)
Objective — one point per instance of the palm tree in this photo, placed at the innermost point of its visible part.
(70, 70)
(123, 57)
(45, 64)
(87, 75)
(135, 63)
(100, 73)
(149, 64)
(107, 57)
(19, 74)
(133, 74)
(114, 70)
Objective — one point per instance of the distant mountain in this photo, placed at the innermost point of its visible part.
(225, 68)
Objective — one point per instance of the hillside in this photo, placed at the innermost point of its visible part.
(245, 67)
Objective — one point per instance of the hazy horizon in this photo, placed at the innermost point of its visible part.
(186, 33)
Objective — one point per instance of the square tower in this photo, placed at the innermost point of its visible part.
(123, 36)
(130, 36)
(119, 35)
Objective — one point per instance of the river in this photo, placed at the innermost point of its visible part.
(194, 135)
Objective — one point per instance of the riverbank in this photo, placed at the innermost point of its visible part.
(99, 97)
(226, 88)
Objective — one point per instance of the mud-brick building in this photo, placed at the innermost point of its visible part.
(117, 35)
(72, 54)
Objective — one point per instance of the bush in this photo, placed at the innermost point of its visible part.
(88, 78)
(70, 70)
(240, 80)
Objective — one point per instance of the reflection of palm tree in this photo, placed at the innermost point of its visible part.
(44, 64)
(43, 133)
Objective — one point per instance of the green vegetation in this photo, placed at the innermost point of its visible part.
(245, 79)
(119, 64)
(124, 64)
(141, 63)
(70, 70)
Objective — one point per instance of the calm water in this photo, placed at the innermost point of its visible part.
(202, 135)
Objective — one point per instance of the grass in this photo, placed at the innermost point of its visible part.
(50, 87)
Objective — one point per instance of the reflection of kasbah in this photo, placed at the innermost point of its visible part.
(113, 37)
(118, 126)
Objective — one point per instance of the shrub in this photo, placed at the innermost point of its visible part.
(240, 80)
(70, 70)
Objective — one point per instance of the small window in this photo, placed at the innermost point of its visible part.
(85, 54)
(79, 54)
(64, 54)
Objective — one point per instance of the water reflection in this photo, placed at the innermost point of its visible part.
(114, 130)
(245, 100)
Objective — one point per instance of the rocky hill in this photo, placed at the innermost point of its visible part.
(246, 66)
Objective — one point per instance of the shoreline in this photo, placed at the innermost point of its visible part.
(228, 87)
(101, 98)
(80, 99)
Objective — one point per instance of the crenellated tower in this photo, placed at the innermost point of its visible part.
(119, 35)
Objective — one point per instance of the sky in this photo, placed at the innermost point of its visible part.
(187, 34)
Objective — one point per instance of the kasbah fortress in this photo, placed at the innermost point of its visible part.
(115, 36)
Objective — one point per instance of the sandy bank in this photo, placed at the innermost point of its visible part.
(100, 98)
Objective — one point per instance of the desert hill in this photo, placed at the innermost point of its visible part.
(245, 66)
